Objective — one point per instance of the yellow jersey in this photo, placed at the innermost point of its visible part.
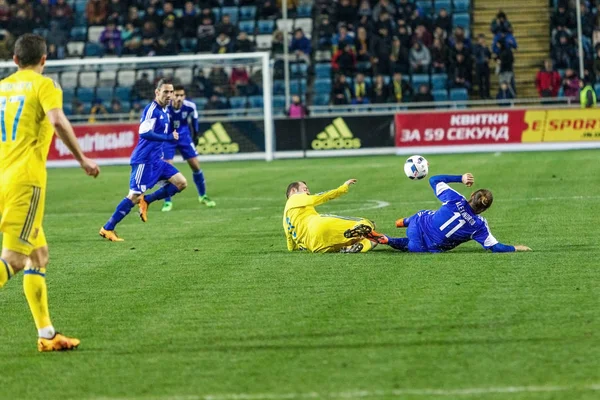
(25, 98)
(302, 223)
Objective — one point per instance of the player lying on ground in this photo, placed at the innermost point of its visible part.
(147, 164)
(181, 112)
(31, 107)
(457, 221)
(305, 229)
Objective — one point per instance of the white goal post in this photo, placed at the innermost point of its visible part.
(56, 68)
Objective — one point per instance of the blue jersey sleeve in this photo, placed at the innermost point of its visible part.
(484, 237)
(152, 129)
(445, 193)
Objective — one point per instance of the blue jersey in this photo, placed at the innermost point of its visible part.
(154, 130)
(454, 222)
(181, 118)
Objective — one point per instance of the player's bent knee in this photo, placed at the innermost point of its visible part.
(179, 181)
(134, 197)
(40, 257)
(17, 261)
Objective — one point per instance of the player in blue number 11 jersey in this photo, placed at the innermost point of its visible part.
(181, 112)
(147, 165)
(457, 221)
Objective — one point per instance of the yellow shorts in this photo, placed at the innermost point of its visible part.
(22, 210)
(329, 233)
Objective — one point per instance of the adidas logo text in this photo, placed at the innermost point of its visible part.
(336, 136)
(216, 140)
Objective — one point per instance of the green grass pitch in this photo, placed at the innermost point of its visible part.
(208, 304)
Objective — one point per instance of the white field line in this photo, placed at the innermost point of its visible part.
(378, 204)
(361, 394)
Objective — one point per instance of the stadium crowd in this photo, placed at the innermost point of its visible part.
(357, 52)
(559, 76)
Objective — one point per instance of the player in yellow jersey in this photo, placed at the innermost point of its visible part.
(30, 112)
(306, 229)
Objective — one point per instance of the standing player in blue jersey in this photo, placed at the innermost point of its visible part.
(457, 221)
(181, 111)
(147, 164)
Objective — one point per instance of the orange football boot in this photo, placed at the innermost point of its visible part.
(143, 209)
(110, 235)
(58, 343)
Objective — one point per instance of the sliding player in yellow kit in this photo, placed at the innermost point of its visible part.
(306, 229)
(30, 112)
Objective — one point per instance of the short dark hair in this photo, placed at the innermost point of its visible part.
(163, 81)
(481, 200)
(29, 49)
(178, 87)
(293, 186)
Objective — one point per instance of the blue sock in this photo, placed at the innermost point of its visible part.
(398, 243)
(168, 199)
(122, 210)
(199, 181)
(166, 191)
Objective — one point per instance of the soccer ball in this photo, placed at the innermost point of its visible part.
(416, 167)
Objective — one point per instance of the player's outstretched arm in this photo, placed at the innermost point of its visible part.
(324, 197)
(503, 248)
(64, 130)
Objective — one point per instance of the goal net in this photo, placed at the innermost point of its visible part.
(104, 98)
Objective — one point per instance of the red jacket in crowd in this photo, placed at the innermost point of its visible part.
(547, 81)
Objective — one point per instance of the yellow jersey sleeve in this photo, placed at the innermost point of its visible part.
(50, 95)
(316, 199)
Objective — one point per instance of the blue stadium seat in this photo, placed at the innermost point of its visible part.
(440, 95)
(304, 11)
(439, 81)
(322, 86)
(439, 4)
(298, 87)
(321, 99)
(86, 95)
(597, 90)
(247, 26)
(278, 102)
(233, 13)
(247, 13)
(426, 6)
(387, 79)
(93, 50)
(237, 102)
(255, 101)
(104, 93)
(217, 13)
(188, 45)
(363, 66)
(266, 26)
(459, 94)
(41, 31)
(123, 93)
(299, 70)
(200, 102)
(463, 20)
(462, 6)
(323, 70)
(68, 108)
(68, 95)
(420, 79)
(369, 80)
(278, 87)
(78, 34)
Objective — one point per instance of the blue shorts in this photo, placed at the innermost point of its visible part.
(145, 176)
(416, 243)
(185, 145)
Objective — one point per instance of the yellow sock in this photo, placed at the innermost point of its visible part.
(6, 272)
(367, 245)
(34, 286)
